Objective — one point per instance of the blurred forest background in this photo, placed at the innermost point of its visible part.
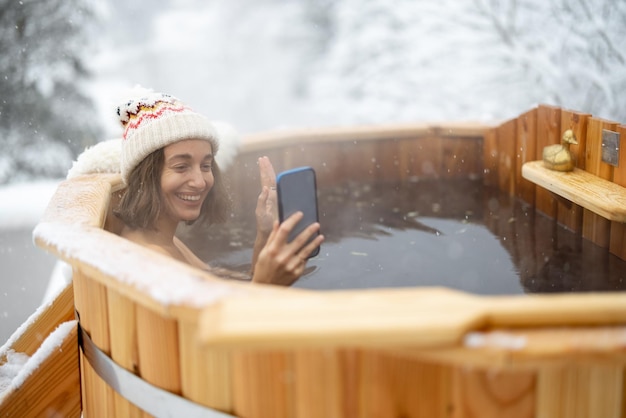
(271, 64)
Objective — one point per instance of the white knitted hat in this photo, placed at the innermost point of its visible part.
(154, 120)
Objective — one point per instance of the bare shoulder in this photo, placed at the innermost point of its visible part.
(189, 255)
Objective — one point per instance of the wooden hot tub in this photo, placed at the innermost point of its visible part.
(265, 351)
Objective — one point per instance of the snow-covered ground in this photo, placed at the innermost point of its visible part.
(26, 269)
(22, 204)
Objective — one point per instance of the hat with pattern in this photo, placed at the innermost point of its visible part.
(154, 120)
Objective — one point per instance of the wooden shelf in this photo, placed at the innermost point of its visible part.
(600, 196)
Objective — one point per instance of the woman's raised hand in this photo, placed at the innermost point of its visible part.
(281, 262)
(266, 211)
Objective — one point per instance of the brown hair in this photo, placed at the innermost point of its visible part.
(140, 206)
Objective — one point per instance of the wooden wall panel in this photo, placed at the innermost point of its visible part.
(322, 389)
(263, 384)
(548, 133)
(568, 213)
(387, 160)
(389, 386)
(617, 244)
(91, 303)
(52, 389)
(157, 346)
(577, 122)
(596, 228)
(526, 150)
(427, 158)
(206, 374)
(494, 394)
(580, 391)
(461, 157)
(418, 158)
(121, 311)
(490, 158)
(506, 134)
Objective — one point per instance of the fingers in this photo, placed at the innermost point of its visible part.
(308, 249)
(267, 173)
(300, 241)
(281, 262)
(261, 203)
(263, 196)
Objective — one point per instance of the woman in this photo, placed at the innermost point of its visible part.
(168, 164)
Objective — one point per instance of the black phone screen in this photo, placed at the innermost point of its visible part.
(297, 191)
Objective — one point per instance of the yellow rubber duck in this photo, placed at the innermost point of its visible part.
(558, 157)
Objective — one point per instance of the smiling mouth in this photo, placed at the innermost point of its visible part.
(189, 198)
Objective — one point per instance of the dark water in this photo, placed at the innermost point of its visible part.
(457, 234)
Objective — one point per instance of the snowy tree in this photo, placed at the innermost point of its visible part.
(418, 60)
(569, 53)
(395, 61)
(45, 116)
(263, 64)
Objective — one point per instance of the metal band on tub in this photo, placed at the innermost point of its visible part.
(154, 400)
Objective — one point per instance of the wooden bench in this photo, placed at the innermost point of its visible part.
(600, 196)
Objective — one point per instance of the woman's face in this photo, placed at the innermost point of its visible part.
(186, 179)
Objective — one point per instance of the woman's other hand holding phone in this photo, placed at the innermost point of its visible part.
(281, 262)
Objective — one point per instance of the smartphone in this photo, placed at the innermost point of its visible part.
(297, 191)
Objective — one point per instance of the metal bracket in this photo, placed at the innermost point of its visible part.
(610, 147)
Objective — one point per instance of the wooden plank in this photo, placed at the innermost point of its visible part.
(328, 170)
(617, 244)
(578, 123)
(600, 196)
(391, 317)
(405, 160)
(366, 154)
(82, 200)
(531, 348)
(85, 370)
(387, 385)
(263, 384)
(206, 375)
(596, 228)
(461, 157)
(322, 386)
(53, 388)
(262, 142)
(42, 323)
(98, 399)
(387, 160)
(619, 172)
(494, 393)
(525, 146)
(157, 346)
(229, 323)
(507, 156)
(580, 391)
(569, 214)
(548, 133)
(427, 158)
(490, 158)
(593, 152)
(123, 343)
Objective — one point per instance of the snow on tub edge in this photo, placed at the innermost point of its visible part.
(16, 371)
(168, 282)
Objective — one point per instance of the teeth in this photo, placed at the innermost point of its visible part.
(191, 198)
